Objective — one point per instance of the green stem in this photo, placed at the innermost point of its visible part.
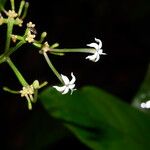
(17, 73)
(43, 84)
(4, 56)
(13, 49)
(25, 10)
(29, 103)
(9, 33)
(52, 67)
(80, 50)
(12, 4)
(22, 3)
(10, 90)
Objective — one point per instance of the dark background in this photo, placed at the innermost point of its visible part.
(124, 28)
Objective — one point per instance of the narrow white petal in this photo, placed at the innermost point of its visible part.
(97, 57)
(60, 89)
(73, 78)
(91, 57)
(65, 79)
(66, 90)
(103, 54)
(100, 42)
(95, 45)
(71, 86)
(94, 57)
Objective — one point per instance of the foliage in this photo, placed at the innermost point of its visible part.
(100, 120)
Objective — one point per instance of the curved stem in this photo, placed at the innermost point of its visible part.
(17, 73)
(53, 68)
(13, 49)
(4, 56)
(10, 90)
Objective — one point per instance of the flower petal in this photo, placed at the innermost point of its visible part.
(95, 45)
(66, 90)
(93, 57)
(65, 79)
(100, 43)
(60, 89)
(97, 57)
(73, 78)
(103, 54)
(71, 86)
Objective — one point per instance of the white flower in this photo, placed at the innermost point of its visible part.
(68, 85)
(146, 104)
(96, 56)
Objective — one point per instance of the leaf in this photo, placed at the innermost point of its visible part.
(100, 120)
(143, 94)
(2, 3)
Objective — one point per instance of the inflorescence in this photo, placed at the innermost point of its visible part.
(30, 91)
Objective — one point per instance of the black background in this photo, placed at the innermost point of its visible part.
(124, 28)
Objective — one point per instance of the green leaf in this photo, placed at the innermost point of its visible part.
(100, 120)
(143, 94)
(2, 3)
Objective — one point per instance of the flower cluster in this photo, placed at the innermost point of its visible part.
(13, 17)
(30, 91)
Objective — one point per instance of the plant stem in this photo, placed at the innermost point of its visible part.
(52, 67)
(22, 3)
(80, 50)
(9, 33)
(12, 4)
(25, 10)
(17, 73)
(13, 49)
(4, 56)
(43, 84)
(10, 91)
